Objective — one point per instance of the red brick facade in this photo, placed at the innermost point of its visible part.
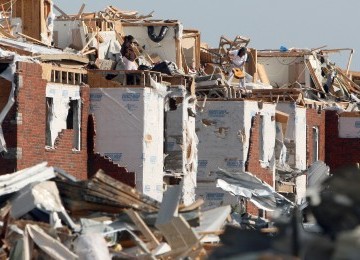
(24, 128)
(340, 152)
(8, 164)
(315, 119)
(253, 163)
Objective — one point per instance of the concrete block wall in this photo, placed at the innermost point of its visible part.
(339, 152)
(315, 118)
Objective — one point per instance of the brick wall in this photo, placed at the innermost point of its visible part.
(253, 163)
(340, 152)
(96, 161)
(8, 161)
(313, 118)
(30, 130)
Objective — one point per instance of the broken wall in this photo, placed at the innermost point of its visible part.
(130, 131)
(340, 152)
(224, 132)
(190, 44)
(349, 125)
(255, 162)
(70, 33)
(28, 121)
(169, 48)
(295, 135)
(284, 70)
(181, 140)
(315, 125)
(8, 162)
(35, 18)
(97, 162)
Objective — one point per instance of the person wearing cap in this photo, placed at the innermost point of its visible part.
(128, 53)
(238, 59)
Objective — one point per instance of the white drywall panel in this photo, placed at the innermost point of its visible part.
(67, 31)
(166, 48)
(61, 95)
(278, 68)
(295, 133)
(288, 108)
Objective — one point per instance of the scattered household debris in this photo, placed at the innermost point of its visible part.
(146, 144)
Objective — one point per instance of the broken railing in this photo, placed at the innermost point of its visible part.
(130, 77)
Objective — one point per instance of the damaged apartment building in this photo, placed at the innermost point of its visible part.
(180, 120)
(173, 160)
(282, 124)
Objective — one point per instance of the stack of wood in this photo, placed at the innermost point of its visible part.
(103, 194)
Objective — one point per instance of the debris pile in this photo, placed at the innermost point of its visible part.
(156, 141)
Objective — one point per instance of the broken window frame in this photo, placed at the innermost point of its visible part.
(49, 114)
(315, 143)
(77, 123)
(75, 105)
(261, 138)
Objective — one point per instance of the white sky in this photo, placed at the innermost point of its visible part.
(269, 24)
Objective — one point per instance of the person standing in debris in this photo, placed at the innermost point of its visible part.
(238, 59)
(128, 53)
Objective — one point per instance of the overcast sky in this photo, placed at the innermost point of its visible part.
(269, 24)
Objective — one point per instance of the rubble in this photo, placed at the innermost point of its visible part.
(175, 158)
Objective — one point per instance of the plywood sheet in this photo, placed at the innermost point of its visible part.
(262, 74)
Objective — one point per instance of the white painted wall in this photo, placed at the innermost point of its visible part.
(61, 95)
(166, 48)
(278, 69)
(65, 29)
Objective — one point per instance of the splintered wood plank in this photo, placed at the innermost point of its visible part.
(81, 206)
(61, 11)
(262, 74)
(122, 198)
(178, 234)
(313, 76)
(196, 205)
(125, 188)
(281, 117)
(81, 11)
(251, 65)
(144, 229)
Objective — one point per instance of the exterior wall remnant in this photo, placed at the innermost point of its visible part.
(315, 120)
(339, 152)
(25, 128)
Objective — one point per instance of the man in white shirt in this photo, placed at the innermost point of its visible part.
(238, 59)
